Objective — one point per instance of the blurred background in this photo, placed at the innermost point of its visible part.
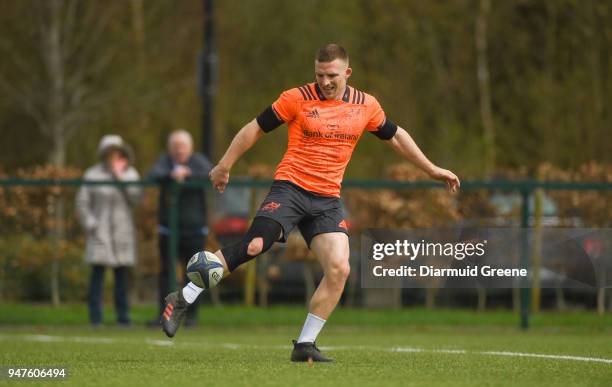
(496, 91)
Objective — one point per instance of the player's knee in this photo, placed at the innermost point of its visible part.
(255, 247)
(345, 271)
(260, 237)
(339, 271)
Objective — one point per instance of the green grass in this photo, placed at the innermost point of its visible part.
(243, 346)
(76, 314)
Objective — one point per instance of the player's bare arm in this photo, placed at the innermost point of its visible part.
(403, 144)
(243, 141)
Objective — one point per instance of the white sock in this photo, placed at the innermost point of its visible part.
(311, 329)
(191, 292)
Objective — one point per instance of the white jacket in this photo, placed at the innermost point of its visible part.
(105, 212)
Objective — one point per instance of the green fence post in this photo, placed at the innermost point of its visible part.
(173, 245)
(525, 296)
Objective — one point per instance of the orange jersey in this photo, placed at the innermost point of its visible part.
(323, 134)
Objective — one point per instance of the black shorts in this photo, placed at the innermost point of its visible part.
(291, 205)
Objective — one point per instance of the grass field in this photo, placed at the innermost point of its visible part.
(238, 346)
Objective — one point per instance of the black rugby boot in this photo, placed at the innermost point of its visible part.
(306, 351)
(174, 313)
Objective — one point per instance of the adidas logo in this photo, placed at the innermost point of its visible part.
(313, 114)
(168, 311)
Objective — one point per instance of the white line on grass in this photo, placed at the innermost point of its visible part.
(544, 356)
(161, 343)
(504, 353)
(235, 346)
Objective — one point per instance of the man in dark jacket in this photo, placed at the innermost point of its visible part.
(178, 165)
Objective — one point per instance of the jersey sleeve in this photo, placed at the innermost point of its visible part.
(376, 116)
(281, 111)
(378, 123)
(285, 106)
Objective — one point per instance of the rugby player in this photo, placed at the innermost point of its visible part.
(325, 120)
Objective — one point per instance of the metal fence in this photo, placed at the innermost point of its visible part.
(525, 189)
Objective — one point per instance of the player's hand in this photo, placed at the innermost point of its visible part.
(451, 180)
(219, 177)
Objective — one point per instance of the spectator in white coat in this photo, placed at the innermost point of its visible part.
(106, 214)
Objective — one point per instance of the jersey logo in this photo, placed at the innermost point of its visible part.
(270, 207)
(343, 225)
(313, 114)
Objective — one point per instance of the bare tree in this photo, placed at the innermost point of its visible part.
(483, 85)
(57, 68)
(485, 106)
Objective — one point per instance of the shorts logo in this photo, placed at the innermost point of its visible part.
(313, 114)
(270, 207)
(343, 225)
